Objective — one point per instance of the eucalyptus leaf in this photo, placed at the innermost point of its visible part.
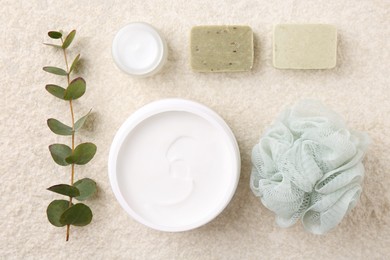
(77, 215)
(74, 63)
(59, 152)
(86, 187)
(53, 45)
(54, 211)
(54, 34)
(69, 39)
(79, 123)
(56, 91)
(55, 70)
(61, 212)
(65, 189)
(59, 128)
(75, 89)
(82, 154)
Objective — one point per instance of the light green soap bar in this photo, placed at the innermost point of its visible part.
(221, 48)
(304, 46)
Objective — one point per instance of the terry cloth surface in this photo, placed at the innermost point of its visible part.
(358, 89)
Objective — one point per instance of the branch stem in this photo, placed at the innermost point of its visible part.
(73, 136)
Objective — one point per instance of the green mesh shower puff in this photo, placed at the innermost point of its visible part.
(308, 166)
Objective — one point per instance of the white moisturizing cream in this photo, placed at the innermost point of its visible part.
(174, 165)
(139, 49)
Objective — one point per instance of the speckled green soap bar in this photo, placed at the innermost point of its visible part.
(304, 46)
(221, 48)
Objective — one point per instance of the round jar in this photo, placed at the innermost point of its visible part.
(139, 50)
(174, 165)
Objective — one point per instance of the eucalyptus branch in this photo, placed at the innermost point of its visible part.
(61, 212)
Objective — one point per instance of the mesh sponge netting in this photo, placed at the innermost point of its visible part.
(308, 166)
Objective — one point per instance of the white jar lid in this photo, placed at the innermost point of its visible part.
(174, 165)
(139, 50)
